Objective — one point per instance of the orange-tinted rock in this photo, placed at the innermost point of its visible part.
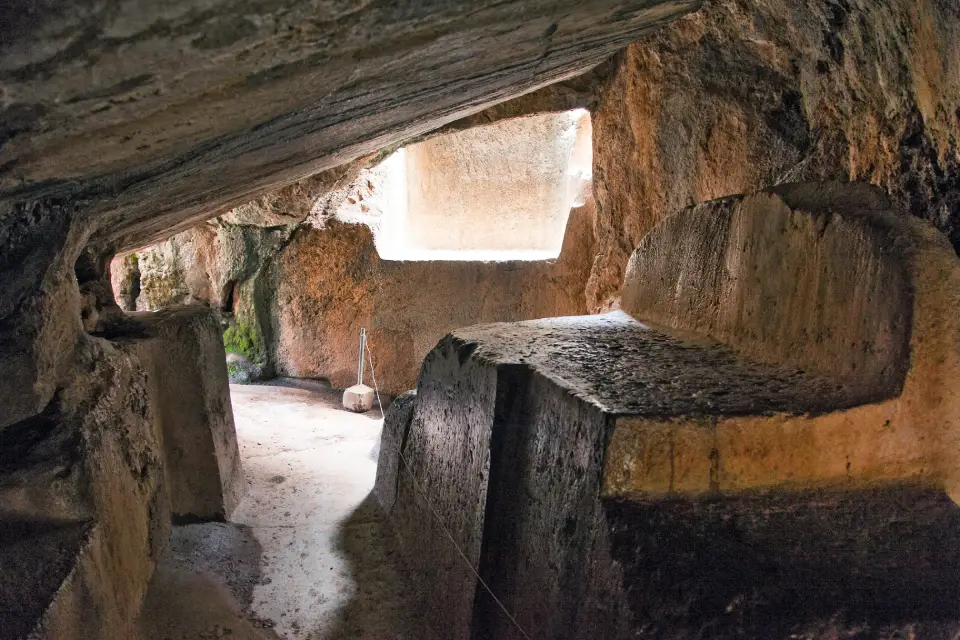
(745, 95)
(331, 282)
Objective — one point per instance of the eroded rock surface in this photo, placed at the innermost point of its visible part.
(228, 104)
(746, 94)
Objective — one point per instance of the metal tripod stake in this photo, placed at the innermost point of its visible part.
(363, 347)
(359, 397)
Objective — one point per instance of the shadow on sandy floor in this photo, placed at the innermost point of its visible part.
(203, 586)
(386, 605)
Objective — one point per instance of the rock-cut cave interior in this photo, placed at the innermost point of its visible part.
(487, 320)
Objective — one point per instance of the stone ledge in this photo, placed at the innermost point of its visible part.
(517, 466)
(84, 480)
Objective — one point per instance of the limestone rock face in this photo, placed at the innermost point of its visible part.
(40, 307)
(122, 125)
(396, 427)
(219, 265)
(747, 94)
(202, 265)
(84, 497)
(296, 305)
(293, 203)
(501, 190)
(125, 281)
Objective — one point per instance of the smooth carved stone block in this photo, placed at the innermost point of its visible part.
(830, 279)
(714, 468)
(358, 398)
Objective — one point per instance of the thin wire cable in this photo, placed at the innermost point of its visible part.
(436, 514)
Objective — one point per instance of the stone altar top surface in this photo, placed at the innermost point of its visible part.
(627, 367)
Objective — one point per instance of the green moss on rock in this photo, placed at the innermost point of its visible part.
(243, 340)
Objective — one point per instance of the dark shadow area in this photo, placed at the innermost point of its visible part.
(43, 438)
(203, 586)
(387, 604)
(880, 562)
(36, 555)
(227, 294)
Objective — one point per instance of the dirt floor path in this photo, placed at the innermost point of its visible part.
(306, 555)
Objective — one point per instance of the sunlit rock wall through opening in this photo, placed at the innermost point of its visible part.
(497, 192)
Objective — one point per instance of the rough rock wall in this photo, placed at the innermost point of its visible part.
(217, 264)
(85, 485)
(102, 424)
(82, 450)
(749, 93)
(200, 266)
(331, 282)
(299, 298)
(160, 116)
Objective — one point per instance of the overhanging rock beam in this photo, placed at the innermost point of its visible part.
(158, 115)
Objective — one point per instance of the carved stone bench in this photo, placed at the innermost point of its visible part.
(763, 443)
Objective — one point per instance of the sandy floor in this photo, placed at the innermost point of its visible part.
(306, 556)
